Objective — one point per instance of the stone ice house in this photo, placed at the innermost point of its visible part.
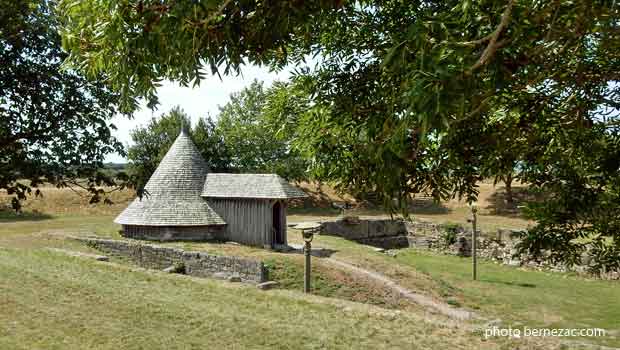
(183, 201)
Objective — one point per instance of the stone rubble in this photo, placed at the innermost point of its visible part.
(388, 236)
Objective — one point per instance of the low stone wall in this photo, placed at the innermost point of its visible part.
(387, 233)
(383, 233)
(198, 264)
(389, 242)
(425, 229)
(499, 247)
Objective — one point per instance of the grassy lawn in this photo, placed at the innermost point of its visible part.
(520, 297)
(516, 296)
(50, 301)
(53, 301)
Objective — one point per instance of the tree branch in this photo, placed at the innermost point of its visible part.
(493, 45)
(25, 136)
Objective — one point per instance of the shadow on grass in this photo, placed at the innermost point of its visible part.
(12, 216)
(316, 252)
(499, 204)
(516, 284)
(416, 206)
(316, 199)
(313, 211)
(427, 206)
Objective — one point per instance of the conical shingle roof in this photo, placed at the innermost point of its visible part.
(174, 191)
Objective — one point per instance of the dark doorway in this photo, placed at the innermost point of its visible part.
(278, 237)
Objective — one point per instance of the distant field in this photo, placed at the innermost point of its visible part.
(492, 213)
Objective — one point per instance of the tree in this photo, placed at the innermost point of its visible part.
(429, 74)
(405, 92)
(580, 217)
(55, 125)
(503, 157)
(240, 140)
(212, 145)
(152, 142)
(421, 100)
(254, 144)
(473, 89)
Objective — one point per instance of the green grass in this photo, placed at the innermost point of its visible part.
(289, 273)
(330, 282)
(287, 269)
(50, 301)
(532, 298)
(47, 232)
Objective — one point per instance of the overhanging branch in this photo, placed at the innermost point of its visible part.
(493, 44)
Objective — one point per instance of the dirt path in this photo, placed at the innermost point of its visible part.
(423, 300)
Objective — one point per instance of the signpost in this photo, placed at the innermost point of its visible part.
(474, 240)
(308, 229)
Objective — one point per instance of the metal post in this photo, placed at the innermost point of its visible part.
(308, 229)
(474, 240)
(307, 249)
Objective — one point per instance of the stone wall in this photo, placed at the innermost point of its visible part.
(499, 247)
(171, 233)
(193, 263)
(425, 229)
(383, 233)
(393, 234)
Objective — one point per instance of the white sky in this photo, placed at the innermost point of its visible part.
(197, 102)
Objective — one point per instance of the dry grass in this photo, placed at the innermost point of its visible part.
(493, 213)
(62, 201)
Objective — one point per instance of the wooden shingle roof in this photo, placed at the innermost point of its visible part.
(270, 186)
(174, 191)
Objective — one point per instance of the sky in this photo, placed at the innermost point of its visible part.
(197, 102)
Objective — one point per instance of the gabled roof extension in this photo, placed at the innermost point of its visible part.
(267, 186)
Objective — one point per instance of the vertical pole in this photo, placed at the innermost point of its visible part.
(307, 248)
(474, 241)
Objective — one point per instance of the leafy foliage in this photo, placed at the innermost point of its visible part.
(151, 143)
(139, 42)
(253, 140)
(580, 219)
(241, 139)
(409, 96)
(460, 94)
(55, 125)
(212, 145)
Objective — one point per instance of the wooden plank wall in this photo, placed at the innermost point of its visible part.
(283, 220)
(249, 220)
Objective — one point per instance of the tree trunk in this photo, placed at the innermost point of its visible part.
(509, 197)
